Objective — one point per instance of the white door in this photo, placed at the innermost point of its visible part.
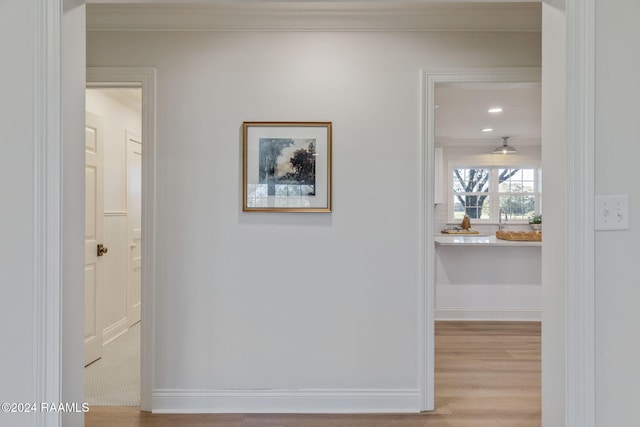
(93, 237)
(134, 226)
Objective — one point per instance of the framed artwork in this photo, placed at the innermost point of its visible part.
(286, 166)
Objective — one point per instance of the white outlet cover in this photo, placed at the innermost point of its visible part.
(612, 212)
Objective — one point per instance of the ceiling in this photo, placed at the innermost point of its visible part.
(128, 96)
(462, 112)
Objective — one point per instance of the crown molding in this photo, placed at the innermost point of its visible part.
(315, 16)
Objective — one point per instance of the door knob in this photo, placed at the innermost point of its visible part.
(102, 249)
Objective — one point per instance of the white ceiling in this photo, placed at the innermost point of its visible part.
(461, 113)
(128, 96)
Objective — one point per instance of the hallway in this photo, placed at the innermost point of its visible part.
(114, 380)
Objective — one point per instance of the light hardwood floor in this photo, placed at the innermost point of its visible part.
(487, 375)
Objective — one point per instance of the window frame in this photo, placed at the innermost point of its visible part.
(494, 190)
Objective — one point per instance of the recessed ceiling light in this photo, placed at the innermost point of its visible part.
(487, 130)
(495, 110)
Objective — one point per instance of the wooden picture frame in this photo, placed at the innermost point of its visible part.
(286, 166)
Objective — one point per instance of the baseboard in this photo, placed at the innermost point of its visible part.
(114, 331)
(287, 401)
(501, 314)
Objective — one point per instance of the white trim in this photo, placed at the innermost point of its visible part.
(492, 314)
(427, 250)
(287, 401)
(427, 165)
(127, 77)
(580, 225)
(47, 233)
(316, 16)
(114, 331)
(116, 213)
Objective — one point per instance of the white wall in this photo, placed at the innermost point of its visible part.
(17, 44)
(554, 158)
(617, 153)
(288, 302)
(118, 117)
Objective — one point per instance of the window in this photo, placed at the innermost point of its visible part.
(471, 193)
(482, 193)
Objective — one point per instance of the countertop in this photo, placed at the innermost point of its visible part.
(479, 240)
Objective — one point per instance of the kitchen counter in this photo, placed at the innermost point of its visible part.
(479, 240)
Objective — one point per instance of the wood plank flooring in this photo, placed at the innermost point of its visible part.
(487, 375)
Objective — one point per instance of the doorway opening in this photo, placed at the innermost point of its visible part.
(113, 212)
(119, 194)
(455, 149)
(480, 190)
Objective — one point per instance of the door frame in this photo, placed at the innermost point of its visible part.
(427, 189)
(580, 308)
(130, 137)
(145, 78)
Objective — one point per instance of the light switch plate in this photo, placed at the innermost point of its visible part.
(612, 212)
